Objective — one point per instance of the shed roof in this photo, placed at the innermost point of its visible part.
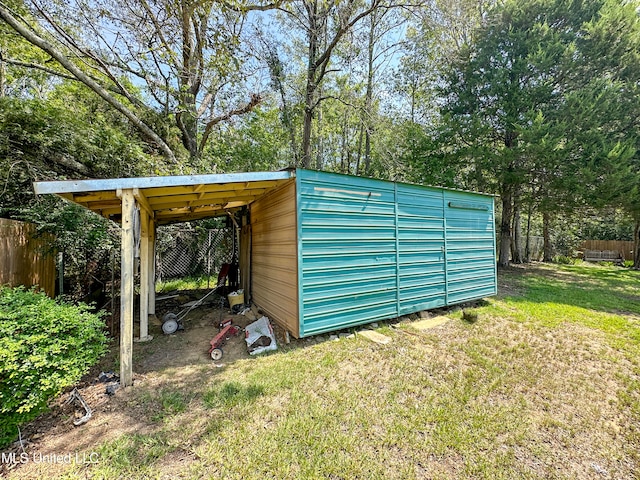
(169, 198)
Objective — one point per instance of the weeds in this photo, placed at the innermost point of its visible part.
(543, 385)
(186, 283)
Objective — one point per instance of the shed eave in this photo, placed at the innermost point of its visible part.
(169, 199)
(98, 185)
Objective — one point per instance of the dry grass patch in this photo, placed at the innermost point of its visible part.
(541, 386)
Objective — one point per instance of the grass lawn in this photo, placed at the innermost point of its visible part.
(546, 384)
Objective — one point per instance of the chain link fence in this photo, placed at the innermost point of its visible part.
(187, 251)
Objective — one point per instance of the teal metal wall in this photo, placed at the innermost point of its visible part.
(370, 250)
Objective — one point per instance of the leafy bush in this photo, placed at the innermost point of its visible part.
(627, 264)
(566, 260)
(45, 346)
(606, 264)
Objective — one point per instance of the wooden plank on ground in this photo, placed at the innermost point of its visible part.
(375, 336)
(428, 323)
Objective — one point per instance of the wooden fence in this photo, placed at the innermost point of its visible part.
(626, 247)
(26, 259)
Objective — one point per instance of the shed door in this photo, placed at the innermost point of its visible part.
(470, 239)
(421, 247)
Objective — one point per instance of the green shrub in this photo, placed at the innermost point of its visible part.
(45, 346)
(627, 264)
(565, 260)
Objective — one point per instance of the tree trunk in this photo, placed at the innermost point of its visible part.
(360, 135)
(367, 151)
(311, 87)
(636, 244)
(527, 254)
(505, 227)
(306, 136)
(516, 242)
(369, 95)
(188, 123)
(414, 95)
(3, 76)
(277, 76)
(345, 165)
(546, 233)
(319, 142)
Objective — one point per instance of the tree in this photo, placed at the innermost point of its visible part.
(508, 103)
(380, 48)
(325, 24)
(172, 58)
(435, 34)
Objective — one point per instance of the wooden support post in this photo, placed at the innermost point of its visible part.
(144, 277)
(126, 288)
(152, 267)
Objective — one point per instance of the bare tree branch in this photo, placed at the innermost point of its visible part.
(34, 38)
(37, 66)
(71, 163)
(253, 8)
(57, 73)
(323, 59)
(255, 100)
(333, 97)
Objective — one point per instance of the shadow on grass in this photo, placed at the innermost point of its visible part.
(231, 394)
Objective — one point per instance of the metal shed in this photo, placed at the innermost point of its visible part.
(319, 251)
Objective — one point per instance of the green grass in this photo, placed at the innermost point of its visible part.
(545, 384)
(186, 283)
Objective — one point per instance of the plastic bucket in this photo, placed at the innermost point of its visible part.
(236, 298)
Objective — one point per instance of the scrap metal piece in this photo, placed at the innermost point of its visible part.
(75, 397)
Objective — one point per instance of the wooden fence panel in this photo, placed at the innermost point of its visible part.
(26, 259)
(626, 247)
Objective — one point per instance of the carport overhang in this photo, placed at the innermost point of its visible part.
(139, 205)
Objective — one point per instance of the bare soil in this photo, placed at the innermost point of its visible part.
(183, 353)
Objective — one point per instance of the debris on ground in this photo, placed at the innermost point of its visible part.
(259, 336)
(375, 336)
(106, 377)
(249, 315)
(75, 397)
(112, 380)
(111, 388)
(600, 469)
(428, 323)
(238, 308)
(470, 316)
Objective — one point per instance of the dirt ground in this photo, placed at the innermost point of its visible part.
(185, 351)
(193, 343)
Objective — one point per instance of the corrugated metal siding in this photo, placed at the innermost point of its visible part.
(421, 245)
(471, 262)
(274, 281)
(371, 250)
(347, 250)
